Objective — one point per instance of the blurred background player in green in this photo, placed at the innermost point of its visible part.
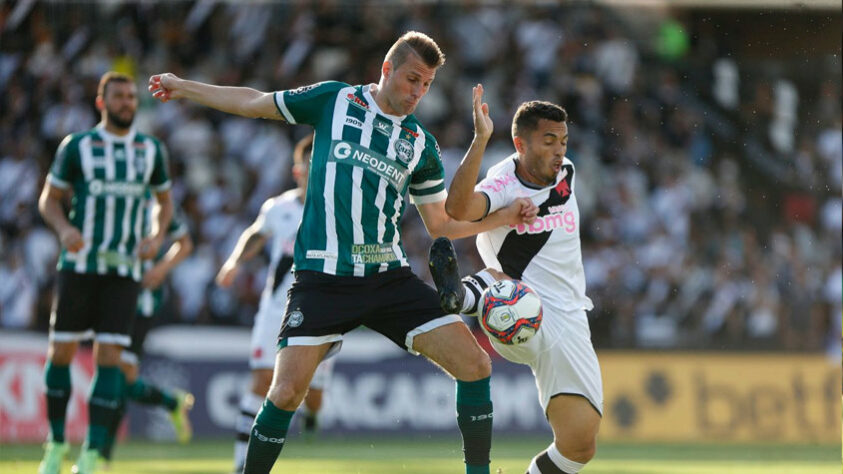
(110, 171)
(136, 389)
(277, 223)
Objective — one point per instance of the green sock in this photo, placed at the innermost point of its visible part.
(146, 393)
(103, 404)
(474, 418)
(57, 378)
(108, 447)
(267, 438)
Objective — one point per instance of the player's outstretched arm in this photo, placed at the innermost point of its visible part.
(162, 214)
(178, 251)
(242, 101)
(251, 241)
(439, 224)
(463, 202)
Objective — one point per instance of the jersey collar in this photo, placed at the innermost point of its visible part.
(127, 138)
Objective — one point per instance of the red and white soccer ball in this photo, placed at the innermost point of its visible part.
(512, 312)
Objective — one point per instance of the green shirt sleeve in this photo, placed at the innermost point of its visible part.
(307, 103)
(427, 183)
(65, 169)
(160, 178)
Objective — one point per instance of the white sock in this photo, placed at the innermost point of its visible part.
(250, 404)
(474, 287)
(560, 464)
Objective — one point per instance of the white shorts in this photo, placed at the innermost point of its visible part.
(265, 337)
(265, 346)
(322, 376)
(561, 357)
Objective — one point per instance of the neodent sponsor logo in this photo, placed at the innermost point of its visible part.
(382, 166)
(118, 188)
(342, 150)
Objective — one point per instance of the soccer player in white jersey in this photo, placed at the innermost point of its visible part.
(545, 255)
(368, 150)
(277, 223)
(109, 171)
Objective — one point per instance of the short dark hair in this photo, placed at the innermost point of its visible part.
(529, 113)
(112, 76)
(419, 44)
(301, 153)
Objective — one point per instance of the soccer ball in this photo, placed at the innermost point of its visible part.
(512, 312)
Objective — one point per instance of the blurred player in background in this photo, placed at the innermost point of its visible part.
(277, 222)
(176, 402)
(109, 171)
(546, 256)
(351, 268)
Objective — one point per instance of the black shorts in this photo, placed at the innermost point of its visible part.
(90, 305)
(322, 307)
(139, 331)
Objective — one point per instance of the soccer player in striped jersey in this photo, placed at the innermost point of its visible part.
(277, 223)
(109, 171)
(351, 268)
(545, 255)
(137, 389)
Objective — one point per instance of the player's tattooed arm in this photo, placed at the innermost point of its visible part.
(243, 101)
(251, 242)
(439, 224)
(178, 251)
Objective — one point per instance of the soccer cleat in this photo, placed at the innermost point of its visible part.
(87, 462)
(446, 275)
(54, 453)
(179, 419)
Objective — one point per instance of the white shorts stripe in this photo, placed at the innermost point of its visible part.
(427, 327)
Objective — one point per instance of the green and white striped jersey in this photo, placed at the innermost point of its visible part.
(363, 162)
(150, 300)
(111, 177)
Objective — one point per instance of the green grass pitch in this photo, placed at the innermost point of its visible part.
(435, 456)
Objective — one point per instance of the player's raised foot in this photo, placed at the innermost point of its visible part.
(179, 418)
(446, 275)
(54, 453)
(87, 462)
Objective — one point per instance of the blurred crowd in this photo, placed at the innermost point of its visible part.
(688, 240)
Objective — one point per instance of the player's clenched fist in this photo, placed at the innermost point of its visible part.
(165, 86)
(529, 210)
(71, 239)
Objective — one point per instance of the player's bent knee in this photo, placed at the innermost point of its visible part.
(285, 397)
(61, 353)
(582, 451)
(479, 367)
